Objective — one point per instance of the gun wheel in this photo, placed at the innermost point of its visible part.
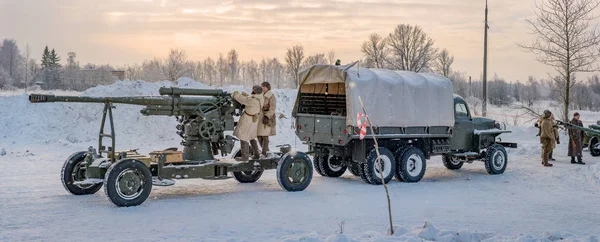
(128, 183)
(593, 150)
(246, 176)
(73, 171)
(294, 172)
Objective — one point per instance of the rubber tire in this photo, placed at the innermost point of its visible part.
(447, 160)
(361, 173)
(67, 178)
(593, 142)
(402, 173)
(372, 163)
(317, 163)
(353, 168)
(284, 164)
(243, 178)
(489, 159)
(326, 169)
(111, 176)
(398, 154)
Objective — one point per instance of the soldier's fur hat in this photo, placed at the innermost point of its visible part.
(547, 113)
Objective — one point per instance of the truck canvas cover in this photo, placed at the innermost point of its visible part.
(391, 98)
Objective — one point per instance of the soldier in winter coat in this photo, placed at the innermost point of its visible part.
(247, 127)
(547, 137)
(267, 127)
(555, 127)
(576, 141)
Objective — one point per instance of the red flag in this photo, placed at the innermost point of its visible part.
(361, 126)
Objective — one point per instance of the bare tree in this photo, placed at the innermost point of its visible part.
(222, 69)
(234, 65)
(175, 65)
(210, 70)
(443, 63)
(11, 60)
(331, 57)
(27, 74)
(411, 49)
(566, 40)
(294, 58)
(315, 59)
(277, 72)
(375, 51)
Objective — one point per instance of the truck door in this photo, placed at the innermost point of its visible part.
(463, 127)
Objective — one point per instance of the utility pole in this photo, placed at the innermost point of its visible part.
(484, 105)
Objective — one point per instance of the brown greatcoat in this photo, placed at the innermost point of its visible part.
(247, 127)
(547, 136)
(576, 139)
(270, 106)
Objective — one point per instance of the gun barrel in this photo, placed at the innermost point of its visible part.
(190, 91)
(139, 100)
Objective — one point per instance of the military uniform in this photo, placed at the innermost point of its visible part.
(547, 138)
(576, 142)
(247, 126)
(268, 126)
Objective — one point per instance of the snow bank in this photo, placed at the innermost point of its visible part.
(428, 232)
(67, 124)
(593, 174)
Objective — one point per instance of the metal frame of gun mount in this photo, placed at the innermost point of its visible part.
(203, 115)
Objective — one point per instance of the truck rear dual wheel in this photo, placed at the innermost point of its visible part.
(495, 159)
(73, 170)
(317, 161)
(411, 165)
(128, 183)
(372, 170)
(353, 168)
(332, 166)
(452, 163)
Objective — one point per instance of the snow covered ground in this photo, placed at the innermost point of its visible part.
(527, 203)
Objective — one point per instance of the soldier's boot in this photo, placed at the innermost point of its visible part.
(573, 160)
(545, 160)
(244, 149)
(255, 151)
(579, 161)
(551, 159)
(264, 144)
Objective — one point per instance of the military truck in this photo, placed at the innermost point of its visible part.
(414, 115)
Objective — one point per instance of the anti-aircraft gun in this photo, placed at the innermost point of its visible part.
(203, 115)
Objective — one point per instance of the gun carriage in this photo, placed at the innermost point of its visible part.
(203, 116)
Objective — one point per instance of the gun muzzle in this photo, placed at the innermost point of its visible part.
(41, 98)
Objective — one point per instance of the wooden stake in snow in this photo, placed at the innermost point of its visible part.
(379, 164)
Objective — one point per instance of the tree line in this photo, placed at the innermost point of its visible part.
(19, 70)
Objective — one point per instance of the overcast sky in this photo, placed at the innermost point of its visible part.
(122, 32)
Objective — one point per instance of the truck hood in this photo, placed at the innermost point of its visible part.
(484, 123)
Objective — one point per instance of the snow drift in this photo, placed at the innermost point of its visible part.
(22, 122)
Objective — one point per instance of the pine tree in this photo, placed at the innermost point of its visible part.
(54, 59)
(46, 58)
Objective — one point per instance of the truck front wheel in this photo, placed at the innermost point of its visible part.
(495, 159)
(411, 166)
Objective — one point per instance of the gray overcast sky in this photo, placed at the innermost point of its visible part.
(122, 32)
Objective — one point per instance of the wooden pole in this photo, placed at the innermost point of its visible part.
(379, 164)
